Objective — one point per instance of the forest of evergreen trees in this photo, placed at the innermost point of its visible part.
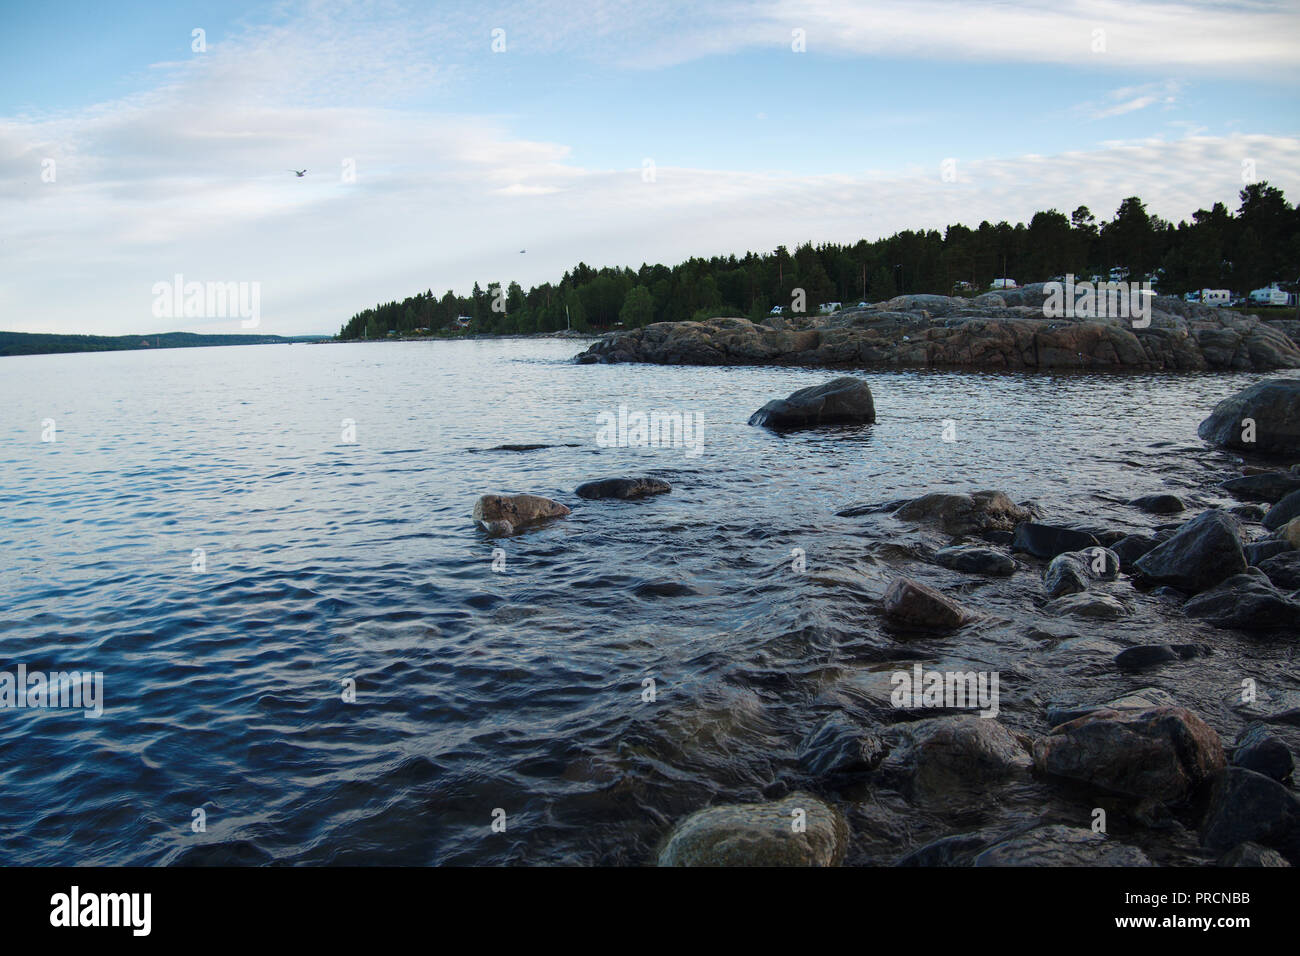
(1241, 251)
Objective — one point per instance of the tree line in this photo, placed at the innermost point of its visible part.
(1241, 251)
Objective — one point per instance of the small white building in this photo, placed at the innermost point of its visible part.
(463, 321)
(1005, 284)
(827, 308)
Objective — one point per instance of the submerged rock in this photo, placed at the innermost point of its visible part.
(939, 757)
(1248, 807)
(1273, 407)
(1047, 541)
(1145, 655)
(1203, 552)
(912, 605)
(623, 488)
(1086, 604)
(841, 401)
(1060, 845)
(1248, 602)
(800, 830)
(1163, 753)
(505, 514)
(964, 514)
(1252, 854)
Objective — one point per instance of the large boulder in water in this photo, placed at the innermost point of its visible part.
(1274, 408)
(800, 830)
(841, 401)
(942, 757)
(1283, 511)
(1047, 541)
(1202, 553)
(1163, 753)
(964, 514)
(623, 488)
(506, 514)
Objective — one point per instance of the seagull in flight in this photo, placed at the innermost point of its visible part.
(522, 251)
(299, 172)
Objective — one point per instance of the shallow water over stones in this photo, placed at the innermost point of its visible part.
(524, 689)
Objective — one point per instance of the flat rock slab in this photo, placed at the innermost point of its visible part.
(909, 604)
(623, 488)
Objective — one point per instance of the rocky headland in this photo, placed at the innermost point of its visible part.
(1003, 330)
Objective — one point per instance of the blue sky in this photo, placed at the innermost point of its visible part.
(170, 160)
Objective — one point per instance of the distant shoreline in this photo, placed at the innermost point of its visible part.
(42, 343)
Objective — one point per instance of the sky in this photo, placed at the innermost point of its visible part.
(141, 141)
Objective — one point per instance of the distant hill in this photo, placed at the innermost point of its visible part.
(39, 343)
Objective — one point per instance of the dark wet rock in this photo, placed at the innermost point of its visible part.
(759, 834)
(623, 488)
(1060, 845)
(1274, 407)
(956, 850)
(1203, 552)
(1074, 571)
(1067, 574)
(876, 508)
(1269, 486)
(1248, 807)
(1047, 541)
(1160, 504)
(1290, 533)
(976, 560)
(1163, 753)
(963, 514)
(841, 401)
(1282, 567)
(1260, 750)
(940, 757)
(1283, 511)
(666, 588)
(1252, 854)
(911, 605)
(839, 746)
(1086, 604)
(997, 537)
(1260, 551)
(1245, 601)
(506, 514)
(1132, 546)
(1146, 655)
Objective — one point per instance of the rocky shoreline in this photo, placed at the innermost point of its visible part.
(1162, 768)
(1004, 330)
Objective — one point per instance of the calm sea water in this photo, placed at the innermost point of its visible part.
(518, 691)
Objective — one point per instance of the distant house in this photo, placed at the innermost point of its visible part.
(1005, 284)
(463, 321)
(828, 307)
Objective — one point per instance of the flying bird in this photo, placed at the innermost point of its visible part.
(522, 251)
(299, 172)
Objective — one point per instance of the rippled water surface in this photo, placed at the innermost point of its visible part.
(329, 561)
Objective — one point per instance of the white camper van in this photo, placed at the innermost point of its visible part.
(1216, 297)
(1269, 296)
